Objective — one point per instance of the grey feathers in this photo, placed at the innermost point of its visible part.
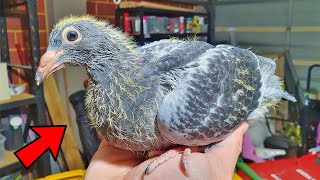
(191, 93)
(219, 89)
(168, 92)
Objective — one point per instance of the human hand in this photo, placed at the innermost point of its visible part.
(110, 162)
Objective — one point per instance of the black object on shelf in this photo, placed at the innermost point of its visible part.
(36, 103)
(88, 135)
(13, 134)
(280, 142)
(310, 116)
(143, 11)
(16, 126)
(6, 132)
(293, 86)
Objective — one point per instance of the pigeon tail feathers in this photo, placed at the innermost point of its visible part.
(272, 88)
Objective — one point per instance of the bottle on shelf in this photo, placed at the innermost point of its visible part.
(181, 25)
(189, 25)
(13, 134)
(16, 123)
(195, 25)
(145, 24)
(126, 23)
(135, 21)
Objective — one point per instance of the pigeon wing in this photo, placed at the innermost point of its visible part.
(166, 55)
(209, 97)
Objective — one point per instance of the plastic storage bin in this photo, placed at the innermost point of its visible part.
(2, 140)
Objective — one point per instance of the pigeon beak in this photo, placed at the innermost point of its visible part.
(48, 65)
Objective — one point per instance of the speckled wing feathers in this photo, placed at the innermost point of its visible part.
(217, 92)
(167, 55)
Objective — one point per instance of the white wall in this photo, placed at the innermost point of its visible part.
(69, 80)
(65, 7)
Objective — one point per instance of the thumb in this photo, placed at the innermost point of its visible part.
(233, 143)
(244, 127)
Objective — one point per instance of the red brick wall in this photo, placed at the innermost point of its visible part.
(17, 29)
(106, 8)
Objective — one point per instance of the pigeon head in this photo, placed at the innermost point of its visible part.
(82, 41)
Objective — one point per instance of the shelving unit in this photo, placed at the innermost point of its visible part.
(143, 11)
(17, 101)
(34, 101)
(9, 162)
(158, 36)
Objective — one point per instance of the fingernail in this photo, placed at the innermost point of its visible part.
(246, 126)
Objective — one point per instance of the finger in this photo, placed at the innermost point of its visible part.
(244, 126)
(172, 169)
(231, 146)
(237, 135)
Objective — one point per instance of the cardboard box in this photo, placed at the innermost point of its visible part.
(4, 85)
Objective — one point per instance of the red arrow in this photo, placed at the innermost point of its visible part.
(50, 137)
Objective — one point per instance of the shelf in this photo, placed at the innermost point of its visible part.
(168, 35)
(7, 4)
(144, 11)
(7, 8)
(199, 34)
(9, 160)
(16, 101)
(37, 110)
(20, 66)
(161, 12)
(152, 5)
(9, 164)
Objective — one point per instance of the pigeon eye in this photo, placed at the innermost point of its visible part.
(72, 36)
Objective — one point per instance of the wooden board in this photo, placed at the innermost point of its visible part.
(131, 4)
(279, 59)
(59, 117)
(20, 97)
(9, 158)
(4, 93)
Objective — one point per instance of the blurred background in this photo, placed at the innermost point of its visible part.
(287, 31)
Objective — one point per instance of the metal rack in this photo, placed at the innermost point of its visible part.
(35, 101)
(142, 11)
(293, 86)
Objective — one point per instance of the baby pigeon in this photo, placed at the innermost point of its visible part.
(164, 94)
